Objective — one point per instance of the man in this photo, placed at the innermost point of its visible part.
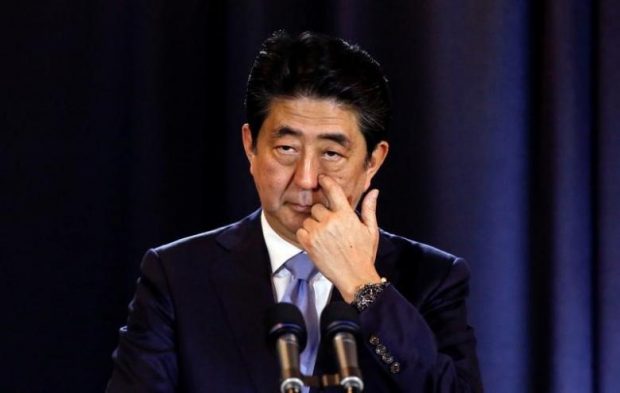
(317, 111)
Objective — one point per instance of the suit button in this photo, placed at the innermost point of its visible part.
(374, 340)
(381, 350)
(395, 368)
(387, 358)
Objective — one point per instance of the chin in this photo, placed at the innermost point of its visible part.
(287, 221)
(293, 225)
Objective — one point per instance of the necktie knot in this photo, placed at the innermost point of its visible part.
(301, 267)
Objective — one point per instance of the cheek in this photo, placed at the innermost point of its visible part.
(353, 185)
(350, 180)
(271, 178)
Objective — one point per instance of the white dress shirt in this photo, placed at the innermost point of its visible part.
(281, 251)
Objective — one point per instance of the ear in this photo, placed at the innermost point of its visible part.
(248, 146)
(375, 161)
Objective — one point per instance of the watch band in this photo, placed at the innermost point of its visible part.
(368, 293)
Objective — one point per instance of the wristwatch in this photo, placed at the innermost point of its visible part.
(368, 293)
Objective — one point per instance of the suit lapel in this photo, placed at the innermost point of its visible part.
(243, 283)
(384, 264)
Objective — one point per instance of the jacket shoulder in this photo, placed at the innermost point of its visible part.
(414, 249)
(419, 270)
(222, 238)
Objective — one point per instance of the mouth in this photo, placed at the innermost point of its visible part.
(300, 208)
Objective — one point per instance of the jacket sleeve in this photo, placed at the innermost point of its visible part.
(145, 359)
(430, 348)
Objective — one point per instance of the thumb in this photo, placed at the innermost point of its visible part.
(369, 210)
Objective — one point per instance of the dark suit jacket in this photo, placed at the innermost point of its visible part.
(196, 323)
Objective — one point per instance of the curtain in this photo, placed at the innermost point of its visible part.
(121, 131)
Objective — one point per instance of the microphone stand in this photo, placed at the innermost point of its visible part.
(326, 381)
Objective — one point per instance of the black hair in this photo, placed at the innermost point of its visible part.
(319, 66)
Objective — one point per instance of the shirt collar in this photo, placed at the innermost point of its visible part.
(279, 249)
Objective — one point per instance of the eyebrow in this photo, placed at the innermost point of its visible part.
(337, 137)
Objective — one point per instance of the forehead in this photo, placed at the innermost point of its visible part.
(311, 115)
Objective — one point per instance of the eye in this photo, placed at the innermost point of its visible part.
(285, 149)
(332, 155)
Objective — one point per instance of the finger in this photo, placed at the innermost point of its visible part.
(319, 212)
(309, 224)
(303, 237)
(334, 193)
(369, 210)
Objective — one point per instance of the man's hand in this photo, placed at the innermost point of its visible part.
(342, 246)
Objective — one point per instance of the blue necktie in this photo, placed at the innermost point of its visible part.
(300, 293)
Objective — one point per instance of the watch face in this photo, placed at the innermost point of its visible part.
(368, 294)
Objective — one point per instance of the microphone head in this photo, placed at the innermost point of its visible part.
(284, 318)
(339, 317)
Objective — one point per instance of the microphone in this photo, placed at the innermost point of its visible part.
(340, 324)
(287, 331)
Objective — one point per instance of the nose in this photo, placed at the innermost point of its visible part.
(307, 173)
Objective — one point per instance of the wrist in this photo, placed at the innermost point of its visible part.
(348, 294)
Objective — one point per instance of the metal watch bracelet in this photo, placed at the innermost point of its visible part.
(368, 293)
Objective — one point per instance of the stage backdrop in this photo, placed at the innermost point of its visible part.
(121, 131)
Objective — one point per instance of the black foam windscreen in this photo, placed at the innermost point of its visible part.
(285, 318)
(339, 317)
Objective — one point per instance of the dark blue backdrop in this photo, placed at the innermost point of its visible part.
(121, 126)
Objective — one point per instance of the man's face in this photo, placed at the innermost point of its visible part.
(300, 139)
